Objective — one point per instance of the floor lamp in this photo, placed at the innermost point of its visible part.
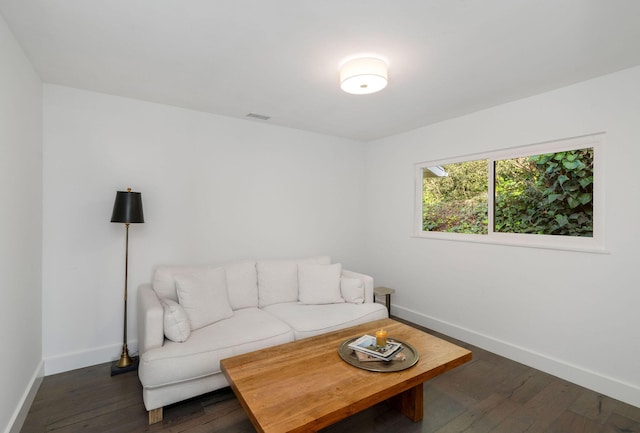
(127, 209)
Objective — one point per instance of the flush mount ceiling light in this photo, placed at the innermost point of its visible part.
(363, 75)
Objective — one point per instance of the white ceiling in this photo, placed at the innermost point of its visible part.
(281, 58)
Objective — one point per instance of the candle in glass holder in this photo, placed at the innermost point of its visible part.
(381, 338)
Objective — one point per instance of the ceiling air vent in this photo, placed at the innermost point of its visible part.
(258, 116)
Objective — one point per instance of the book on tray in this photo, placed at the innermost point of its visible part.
(367, 345)
(363, 357)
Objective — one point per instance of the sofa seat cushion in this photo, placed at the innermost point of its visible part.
(310, 320)
(247, 330)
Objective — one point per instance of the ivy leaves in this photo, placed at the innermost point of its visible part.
(559, 193)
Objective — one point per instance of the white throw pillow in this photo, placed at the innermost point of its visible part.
(203, 295)
(352, 290)
(176, 322)
(319, 284)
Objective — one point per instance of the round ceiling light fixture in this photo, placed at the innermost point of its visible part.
(363, 75)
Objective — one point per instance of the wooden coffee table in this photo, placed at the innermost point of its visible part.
(305, 386)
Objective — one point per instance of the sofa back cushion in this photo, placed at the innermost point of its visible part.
(278, 279)
(249, 283)
(242, 284)
(164, 283)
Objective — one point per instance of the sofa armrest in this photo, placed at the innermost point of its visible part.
(150, 319)
(366, 279)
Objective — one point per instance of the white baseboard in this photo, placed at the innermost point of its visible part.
(20, 414)
(85, 358)
(609, 386)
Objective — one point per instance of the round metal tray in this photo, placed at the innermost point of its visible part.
(409, 351)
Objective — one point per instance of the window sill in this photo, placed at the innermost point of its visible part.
(576, 244)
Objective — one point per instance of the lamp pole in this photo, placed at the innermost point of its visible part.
(125, 359)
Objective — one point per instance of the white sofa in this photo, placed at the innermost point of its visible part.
(190, 318)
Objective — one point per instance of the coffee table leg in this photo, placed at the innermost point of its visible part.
(411, 403)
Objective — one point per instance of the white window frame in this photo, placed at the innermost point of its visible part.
(574, 243)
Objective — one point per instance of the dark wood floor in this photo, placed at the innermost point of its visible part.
(489, 394)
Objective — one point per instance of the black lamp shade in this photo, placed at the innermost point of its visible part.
(127, 208)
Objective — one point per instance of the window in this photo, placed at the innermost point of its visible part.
(545, 195)
(455, 197)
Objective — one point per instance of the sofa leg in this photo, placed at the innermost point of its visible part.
(155, 415)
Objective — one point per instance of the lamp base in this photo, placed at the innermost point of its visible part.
(119, 370)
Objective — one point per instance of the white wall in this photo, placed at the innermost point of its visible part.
(570, 313)
(20, 230)
(214, 189)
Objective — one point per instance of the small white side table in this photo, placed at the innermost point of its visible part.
(387, 292)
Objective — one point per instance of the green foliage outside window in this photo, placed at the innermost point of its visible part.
(457, 203)
(549, 194)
